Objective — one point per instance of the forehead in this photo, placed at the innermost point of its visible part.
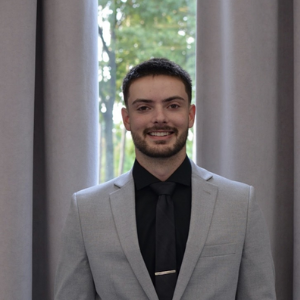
(157, 87)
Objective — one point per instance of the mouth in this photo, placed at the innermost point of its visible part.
(160, 132)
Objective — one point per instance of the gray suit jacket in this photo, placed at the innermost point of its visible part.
(227, 254)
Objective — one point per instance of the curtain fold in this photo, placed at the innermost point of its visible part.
(48, 133)
(296, 280)
(17, 57)
(245, 116)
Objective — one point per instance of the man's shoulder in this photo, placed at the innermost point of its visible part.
(106, 188)
(219, 181)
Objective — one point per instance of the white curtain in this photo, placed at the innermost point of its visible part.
(48, 133)
(248, 113)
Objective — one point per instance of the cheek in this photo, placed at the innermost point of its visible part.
(138, 124)
(181, 121)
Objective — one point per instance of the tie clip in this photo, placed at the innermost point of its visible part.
(165, 272)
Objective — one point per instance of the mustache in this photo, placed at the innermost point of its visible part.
(160, 128)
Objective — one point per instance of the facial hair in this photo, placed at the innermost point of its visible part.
(157, 152)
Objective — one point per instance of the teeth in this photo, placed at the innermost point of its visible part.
(159, 133)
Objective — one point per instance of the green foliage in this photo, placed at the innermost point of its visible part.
(140, 30)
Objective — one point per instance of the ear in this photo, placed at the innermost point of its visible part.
(125, 117)
(192, 113)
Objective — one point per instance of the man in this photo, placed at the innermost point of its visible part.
(212, 243)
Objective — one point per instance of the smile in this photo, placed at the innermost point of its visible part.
(156, 133)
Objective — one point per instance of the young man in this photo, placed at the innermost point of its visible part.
(204, 239)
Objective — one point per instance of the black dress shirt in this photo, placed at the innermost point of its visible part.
(146, 201)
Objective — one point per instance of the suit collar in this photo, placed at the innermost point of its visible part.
(200, 172)
(123, 179)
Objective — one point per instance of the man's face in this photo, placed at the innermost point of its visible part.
(158, 114)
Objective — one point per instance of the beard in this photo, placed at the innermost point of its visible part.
(160, 152)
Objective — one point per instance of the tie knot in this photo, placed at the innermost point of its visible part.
(163, 188)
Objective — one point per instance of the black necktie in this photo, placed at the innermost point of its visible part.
(165, 249)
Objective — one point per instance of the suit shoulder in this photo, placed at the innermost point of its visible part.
(220, 180)
(104, 189)
(222, 183)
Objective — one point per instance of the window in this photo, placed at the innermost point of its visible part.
(132, 31)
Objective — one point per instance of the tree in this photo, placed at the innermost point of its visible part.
(138, 30)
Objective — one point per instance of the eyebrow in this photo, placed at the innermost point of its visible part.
(151, 101)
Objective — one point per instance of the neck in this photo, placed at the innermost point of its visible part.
(161, 168)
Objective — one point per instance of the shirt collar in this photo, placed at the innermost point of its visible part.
(143, 178)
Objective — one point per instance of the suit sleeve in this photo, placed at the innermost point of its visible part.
(74, 279)
(257, 275)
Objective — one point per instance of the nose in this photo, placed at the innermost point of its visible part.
(160, 115)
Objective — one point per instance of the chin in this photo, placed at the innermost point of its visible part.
(160, 153)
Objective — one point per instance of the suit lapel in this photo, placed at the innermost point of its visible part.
(203, 202)
(123, 208)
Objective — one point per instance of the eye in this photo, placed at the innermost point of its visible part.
(143, 108)
(174, 106)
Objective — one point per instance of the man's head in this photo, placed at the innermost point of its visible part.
(158, 110)
(154, 67)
